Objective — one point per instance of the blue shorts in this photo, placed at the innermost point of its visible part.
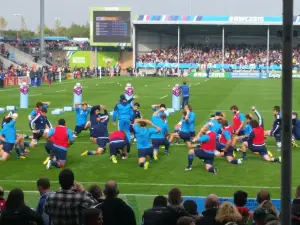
(241, 133)
(7, 147)
(79, 129)
(144, 152)
(207, 157)
(245, 139)
(229, 152)
(185, 136)
(192, 133)
(262, 150)
(156, 142)
(92, 133)
(61, 155)
(116, 145)
(101, 142)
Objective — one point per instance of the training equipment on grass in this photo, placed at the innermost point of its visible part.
(169, 111)
(2, 110)
(24, 89)
(68, 109)
(11, 108)
(176, 98)
(111, 113)
(77, 94)
(57, 111)
(129, 92)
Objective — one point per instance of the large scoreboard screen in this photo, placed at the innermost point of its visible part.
(110, 26)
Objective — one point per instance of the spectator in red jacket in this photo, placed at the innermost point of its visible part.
(2, 200)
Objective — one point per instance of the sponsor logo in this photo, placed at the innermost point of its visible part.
(244, 75)
(296, 76)
(129, 91)
(176, 92)
(24, 90)
(211, 75)
(244, 19)
(78, 60)
(78, 91)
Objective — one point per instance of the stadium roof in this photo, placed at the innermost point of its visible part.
(212, 20)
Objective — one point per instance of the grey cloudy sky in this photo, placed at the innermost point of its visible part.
(77, 11)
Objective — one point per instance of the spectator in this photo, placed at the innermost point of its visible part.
(43, 186)
(66, 205)
(2, 76)
(269, 207)
(16, 212)
(191, 207)
(228, 213)
(276, 222)
(93, 216)
(186, 220)
(115, 211)
(96, 193)
(175, 200)
(2, 200)
(208, 216)
(296, 208)
(160, 214)
(262, 196)
(240, 200)
(259, 216)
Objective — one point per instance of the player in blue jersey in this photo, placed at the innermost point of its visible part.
(185, 89)
(143, 139)
(136, 115)
(276, 129)
(214, 124)
(258, 115)
(100, 136)
(191, 120)
(184, 132)
(94, 115)
(156, 107)
(40, 125)
(296, 128)
(160, 138)
(124, 112)
(39, 107)
(247, 131)
(82, 112)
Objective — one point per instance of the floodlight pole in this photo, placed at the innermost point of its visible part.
(286, 150)
(42, 24)
(223, 47)
(134, 46)
(178, 50)
(268, 48)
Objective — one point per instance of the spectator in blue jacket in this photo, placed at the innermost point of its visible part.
(43, 186)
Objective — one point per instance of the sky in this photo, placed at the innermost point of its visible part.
(77, 11)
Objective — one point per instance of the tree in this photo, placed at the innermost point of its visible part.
(23, 24)
(47, 31)
(57, 26)
(3, 24)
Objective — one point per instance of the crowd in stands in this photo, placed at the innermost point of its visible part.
(234, 54)
(72, 204)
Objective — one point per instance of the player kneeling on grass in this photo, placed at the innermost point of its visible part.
(224, 144)
(8, 137)
(207, 150)
(118, 143)
(160, 138)
(143, 139)
(39, 126)
(256, 143)
(82, 113)
(100, 136)
(62, 137)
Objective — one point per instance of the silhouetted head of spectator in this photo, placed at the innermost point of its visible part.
(160, 201)
(259, 216)
(15, 200)
(186, 220)
(95, 191)
(43, 185)
(262, 196)
(212, 201)
(93, 216)
(66, 179)
(191, 207)
(175, 197)
(1, 192)
(297, 193)
(240, 198)
(111, 189)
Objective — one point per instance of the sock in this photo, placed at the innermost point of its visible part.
(55, 164)
(128, 147)
(234, 161)
(211, 169)
(278, 144)
(142, 164)
(276, 160)
(244, 155)
(190, 160)
(26, 144)
(47, 150)
(90, 153)
(18, 151)
(123, 155)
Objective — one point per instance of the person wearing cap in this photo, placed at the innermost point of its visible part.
(296, 128)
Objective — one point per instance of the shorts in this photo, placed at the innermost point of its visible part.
(207, 157)
(156, 142)
(241, 133)
(7, 147)
(144, 152)
(131, 128)
(245, 139)
(61, 155)
(185, 136)
(79, 129)
(101, 142)
(229, 152)
(262, 150)
(38, 136)
(116, 145)
(192, 133)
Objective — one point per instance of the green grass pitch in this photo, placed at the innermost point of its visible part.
(206, 98)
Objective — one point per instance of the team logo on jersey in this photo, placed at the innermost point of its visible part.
(176, 92)
(129, 91)
(24, 90)
(78, 90)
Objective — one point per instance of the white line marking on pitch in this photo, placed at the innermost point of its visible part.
(163, 97)
(35, 95)
(154, 184)
(60, 91)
